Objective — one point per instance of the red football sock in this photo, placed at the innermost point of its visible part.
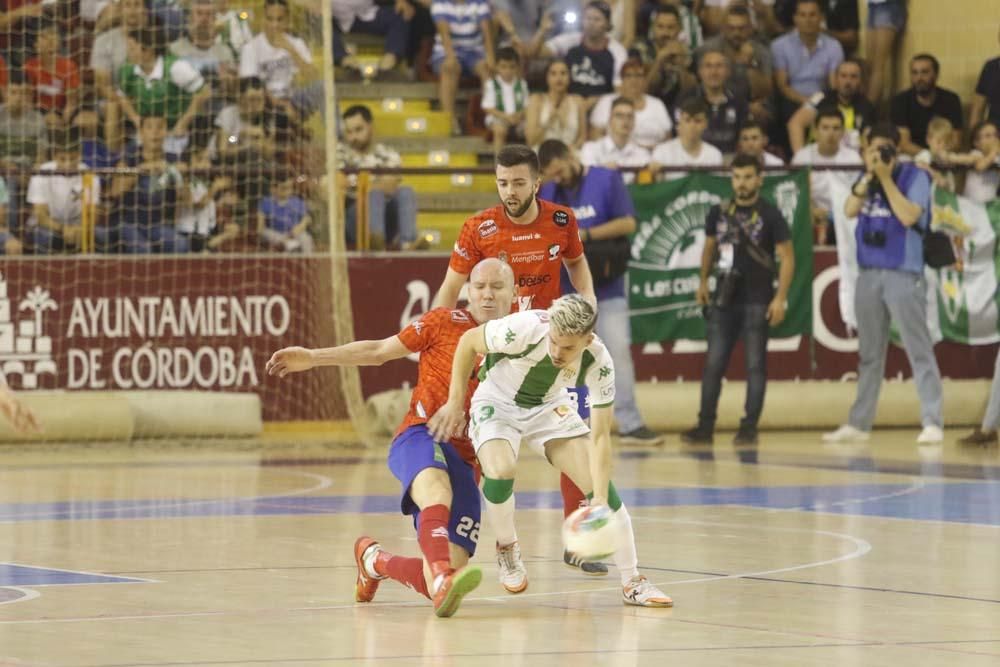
(432, 535)
(572, 496)
(407, 571)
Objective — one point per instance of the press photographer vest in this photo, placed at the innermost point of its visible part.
(903, 247)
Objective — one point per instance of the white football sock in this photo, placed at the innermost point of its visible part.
(626, 559)
(501, 518)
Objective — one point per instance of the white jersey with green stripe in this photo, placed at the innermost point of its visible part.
(518, 370)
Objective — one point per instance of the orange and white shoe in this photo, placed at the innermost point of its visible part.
(641, 593)
(453, 587)
(512, 574)
(366, 550)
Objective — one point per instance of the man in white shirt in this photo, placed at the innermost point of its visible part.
(279, 59)
(616, 149)
(753, 141)
(110, 51)
(828, 150)
(688, 149)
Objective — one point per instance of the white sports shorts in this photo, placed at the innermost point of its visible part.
(491, 420)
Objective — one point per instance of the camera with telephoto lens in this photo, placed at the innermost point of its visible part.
(874, 237)
(725, 288)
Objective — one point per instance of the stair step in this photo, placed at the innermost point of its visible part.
(419, 123)
(456, 183)
(388, 104)
(465, 202)
(382, 89)
(448, 225)
(427, 160)
(421, 144)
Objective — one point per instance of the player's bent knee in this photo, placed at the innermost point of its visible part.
(497, 459)
(431, 487)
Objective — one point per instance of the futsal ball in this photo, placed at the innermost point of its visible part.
(591, 532)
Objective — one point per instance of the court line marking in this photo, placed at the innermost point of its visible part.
(86, 572)
(29, 594)
(916, 484)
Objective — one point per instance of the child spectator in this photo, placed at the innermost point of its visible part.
(937, 158)
(505, 97)
(464, 45)
(982, 183)
(283, 219)
(56, 79)
(198, 220)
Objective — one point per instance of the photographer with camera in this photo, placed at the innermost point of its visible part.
(742, 237)
(892, 202)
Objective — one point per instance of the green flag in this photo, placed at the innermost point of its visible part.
(666, 253)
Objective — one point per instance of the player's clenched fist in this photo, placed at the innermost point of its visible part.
(447, 422)
(290, 360)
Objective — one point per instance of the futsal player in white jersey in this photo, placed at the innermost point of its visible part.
(532, 359)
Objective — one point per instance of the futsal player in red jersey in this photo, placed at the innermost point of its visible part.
(439, 479)
(536, 238)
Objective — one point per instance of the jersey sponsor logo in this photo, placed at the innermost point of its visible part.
(563, 411)
(584, 212)
(543, 315)
(533, 281)
(487, 228)
(418, 326)
(524, 302)
(526, 237)
(461, 252)
(503, 257)
(553, 251)
(509, 337)
(527, 257)
(459, 316)
(561, 218)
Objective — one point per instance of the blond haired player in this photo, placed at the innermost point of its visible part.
(532, 359)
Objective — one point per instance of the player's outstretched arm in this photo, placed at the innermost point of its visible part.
(449, 420)
(20, 417)
(600, 452)
(580, 278)
(359, 353)
(451, 287)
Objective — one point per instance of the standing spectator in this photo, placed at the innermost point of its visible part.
(886, 20)
(688, 149)
(57, 200)
(666, 57)
(595, 59)
(10, 245)
(726, 112)
(804, 59)
(983, 181)
(847, 96)
(689, 27)
(892, 203)
(653, 124)
(986, 434)
(617, 148)
(283, 219)
(743, 239)
(518, 20)
(464, 45)
(392, 206)
(913, 109)
(986, 99)
(56, 79)
(753, 141)
(111, 46)
(365, 16)
(147, 201)
(505, 97)
(556, 113)
(751, 67)
(828, 150)
(281, 60)
(607, 218)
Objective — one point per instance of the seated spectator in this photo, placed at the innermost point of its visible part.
(982, 183)
(886, 20)
(280, 60)
(688, 149)
(617, 148)
(365, 16)
(804, 59)
(753, 141)
(9, 243)
(666, 57)
(110, 49)
(198, 221)
(57, 200)
(594, 58)
(518, 20)
(912, 110)
(505, 97)
(283, 219)
(556, 113)
(201, 47)
(146, 203)
(761, 12)
(828, 150)
(653, 124)
(751, 69)
(842, 22)
(939, 158)
(463, 46)
(23, 140)
(18, 21)
(726, 112)
(56, 79)
(986, 99)
(156, 82)
(847, 96)
(689, 27)
(93, 151)
(392, 206)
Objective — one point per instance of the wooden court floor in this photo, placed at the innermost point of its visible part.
(239, 553)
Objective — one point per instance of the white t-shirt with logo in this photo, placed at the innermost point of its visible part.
(820, 180)
(519, 371)
(652, 122)
(63, 195)
(275, 67)
(562, 43)
(672, 153)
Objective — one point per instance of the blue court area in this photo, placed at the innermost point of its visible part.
(24, 575)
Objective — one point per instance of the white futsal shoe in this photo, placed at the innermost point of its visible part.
(847, 433)
(513, 575)
(930, 435)
(639, 592)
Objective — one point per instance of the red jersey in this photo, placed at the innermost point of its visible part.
(51, 87)
(435, 336)
(535, 250)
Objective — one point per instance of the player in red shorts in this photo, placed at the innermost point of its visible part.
(536, 238)
(439, 479)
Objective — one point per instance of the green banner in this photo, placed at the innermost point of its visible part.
(666, 253)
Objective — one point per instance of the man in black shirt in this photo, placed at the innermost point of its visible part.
(913, 109)
(726, 111)
(847, 96)
(742, 237)
(986, 99)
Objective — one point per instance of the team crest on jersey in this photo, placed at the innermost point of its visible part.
(418, 326)
(553, 251)
(461, 252)
(561, 218)
(503, 257)
(563, 411)
(487, 228)
(459, 316)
